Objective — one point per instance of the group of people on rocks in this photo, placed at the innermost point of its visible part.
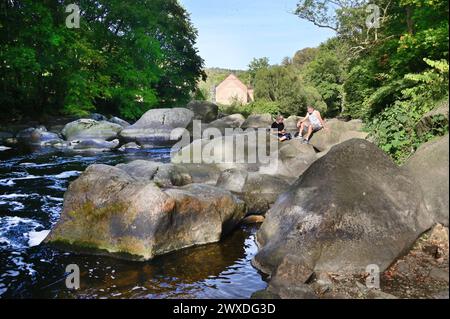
(310, 124)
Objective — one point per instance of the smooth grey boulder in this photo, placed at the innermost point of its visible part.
(38, 137)
(337, 132)
(204, 111)
(97, 117)
(94, 145)
(159, 127)
(256, 121)
(85, 129)
(163, 175)
(108, 210)
(258, 191)
(429, 166)
(233, 121)
(291, 160)
(290, 124)
(119, 121)
(351, 208)
(247, 151)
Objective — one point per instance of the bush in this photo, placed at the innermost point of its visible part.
(394, 129)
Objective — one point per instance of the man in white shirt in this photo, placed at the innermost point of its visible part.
(313, 122)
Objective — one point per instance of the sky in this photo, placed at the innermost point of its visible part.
(233, 32)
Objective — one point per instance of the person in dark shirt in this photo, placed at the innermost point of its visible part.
(277, 128)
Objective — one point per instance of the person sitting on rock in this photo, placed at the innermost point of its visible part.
(312, 122)
(278, 129)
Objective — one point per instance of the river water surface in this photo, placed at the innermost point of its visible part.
(32, 186)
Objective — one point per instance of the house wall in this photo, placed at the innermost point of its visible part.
(229, 90)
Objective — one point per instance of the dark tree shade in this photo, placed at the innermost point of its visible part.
(126, 57)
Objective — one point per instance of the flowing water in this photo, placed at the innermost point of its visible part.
(32, 186)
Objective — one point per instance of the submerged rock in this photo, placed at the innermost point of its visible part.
(430, 166)
(352, 208)
(94, 145)
(108, 209)
(129, 146)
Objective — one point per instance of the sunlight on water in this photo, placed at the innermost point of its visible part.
(32, 186)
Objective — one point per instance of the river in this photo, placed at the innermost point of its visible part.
(32, 186)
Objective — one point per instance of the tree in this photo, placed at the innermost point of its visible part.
(256, 65)
(283, 85)
(125, 58)
(304, 56)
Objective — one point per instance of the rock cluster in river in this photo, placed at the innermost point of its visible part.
(331, 208)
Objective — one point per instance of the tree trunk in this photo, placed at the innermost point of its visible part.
(409, 20)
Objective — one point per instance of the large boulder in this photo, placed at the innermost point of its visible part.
(97, 117)
(108, 210)
(291, 123)
(258, 191)
(159, 127)
(38, 137)
(204, 111)
(86, 129)
(430, 165)
(228, 122)
(119, 121)
(352, 208)
(292, 159)
(203, 173)
(258, 121)
(162, 174)
(247, 150)
(337, 132)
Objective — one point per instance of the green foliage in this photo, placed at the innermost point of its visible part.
(394, 129)
(125, 58)
(326, 72)
(304, 56)
(284, 86)
(214, 76)
(390, 76)
(255, 66)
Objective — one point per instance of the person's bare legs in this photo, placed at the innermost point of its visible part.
(302, 127)
(310, 131)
